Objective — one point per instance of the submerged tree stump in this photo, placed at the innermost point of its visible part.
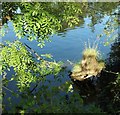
(89, 66)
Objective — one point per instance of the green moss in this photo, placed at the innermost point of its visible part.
(101, 65)
(76, 68)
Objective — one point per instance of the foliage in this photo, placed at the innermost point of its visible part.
(52, 100)
(27, 69)
(110, 96)
(98, 10)
(110, 31)
(38, 21)
(110, 88)
(41, 20)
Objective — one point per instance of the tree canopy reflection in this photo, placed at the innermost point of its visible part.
(38, 21)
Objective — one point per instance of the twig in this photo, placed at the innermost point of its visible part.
(111, 72)
(39, 58)
(88, 76)
(10, 90)
(34, 87)
(37, 84)
(71, 63)
(96, 9)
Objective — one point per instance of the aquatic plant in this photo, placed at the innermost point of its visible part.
(91, 49)
(90, 64)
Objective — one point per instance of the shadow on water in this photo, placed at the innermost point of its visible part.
(105, 92)
(109, 98)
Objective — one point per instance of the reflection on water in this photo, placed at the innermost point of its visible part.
(70, 44)
(64, 46)
(110, 82)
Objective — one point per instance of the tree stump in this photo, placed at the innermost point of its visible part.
(89, 66)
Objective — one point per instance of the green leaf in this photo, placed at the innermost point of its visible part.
(38, 25)
(12, 79)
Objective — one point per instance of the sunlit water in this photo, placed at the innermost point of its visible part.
(65, 46)
(70, 44)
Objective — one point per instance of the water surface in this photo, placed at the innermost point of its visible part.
(70, 44)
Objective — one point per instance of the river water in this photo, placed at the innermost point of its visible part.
(70, 44)
(64, 46)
